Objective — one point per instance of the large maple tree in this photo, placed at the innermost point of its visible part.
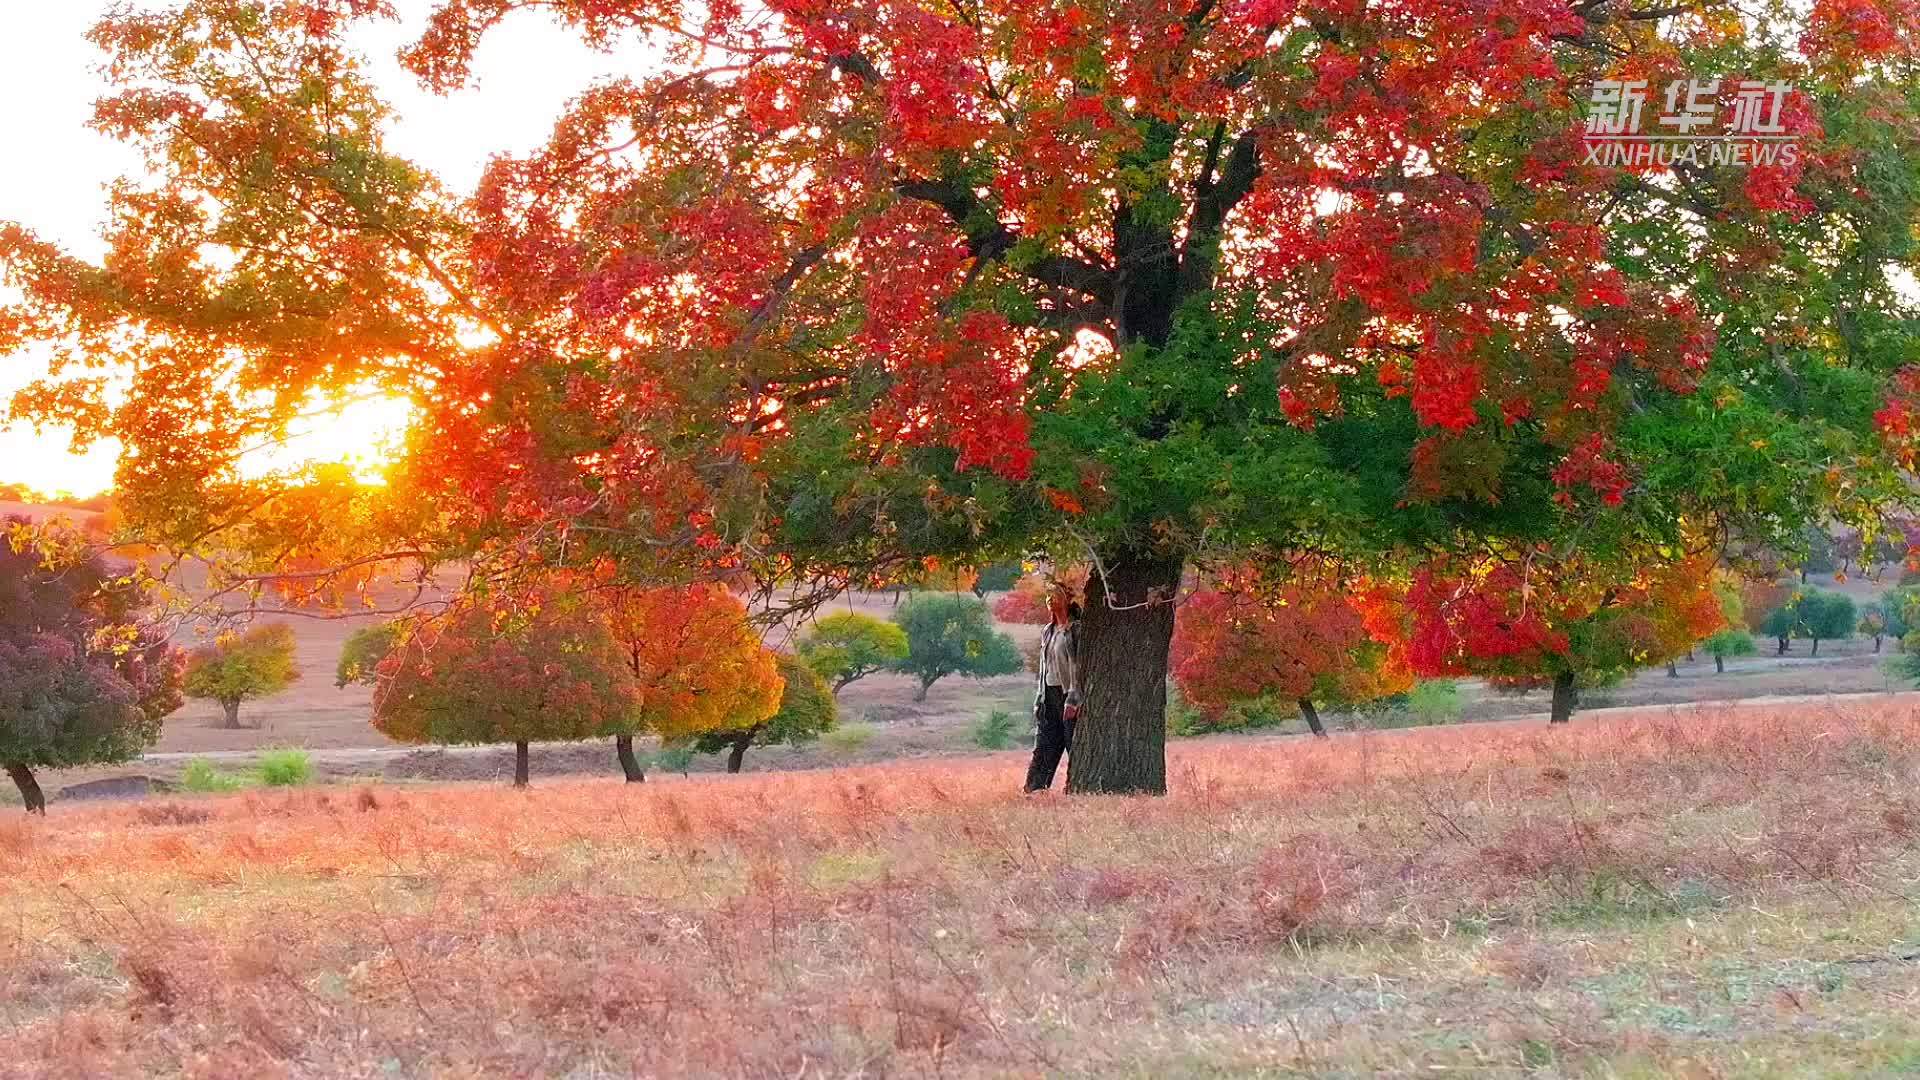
(822, 291)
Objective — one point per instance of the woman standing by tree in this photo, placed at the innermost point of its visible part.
(1057, 704)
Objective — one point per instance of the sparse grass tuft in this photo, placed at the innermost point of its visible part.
(1434, 701)
(200, 776)
(287, 767)
(848, 738)
(995, 731)
(677, 758)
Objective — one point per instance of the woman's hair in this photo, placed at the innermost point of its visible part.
(1073, 611)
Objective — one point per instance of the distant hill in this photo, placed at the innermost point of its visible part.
(44, 511)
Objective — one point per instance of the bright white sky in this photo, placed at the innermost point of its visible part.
(52, 180)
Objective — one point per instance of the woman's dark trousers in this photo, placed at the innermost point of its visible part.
(1052, 740)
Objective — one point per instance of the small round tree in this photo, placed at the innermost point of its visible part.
(1298, 645)
(1828, 616)
(806, 709)
(696, 665)
(514, 670)
(85, 675)
(1785, 622)
(1899, 609)
(847, 647)
(1728, 642)
(952, 634)
(242, 667)
(361, 653)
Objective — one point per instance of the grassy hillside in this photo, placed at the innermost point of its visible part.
(1728, 894)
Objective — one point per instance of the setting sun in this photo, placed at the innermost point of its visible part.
(46, 59)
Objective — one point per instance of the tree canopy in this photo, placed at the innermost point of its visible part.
(505, 669)
(242, 666)
(952, 634)
(86, 675)
(1305, 646)
(361, 653)
(845, 647)
(807, 708)
(1727, 643)
(1566, 623)
(697, 665)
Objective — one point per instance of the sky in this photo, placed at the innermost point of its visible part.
(53, 178)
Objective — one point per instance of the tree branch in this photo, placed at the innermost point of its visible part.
(1214, 199)
(989, 238)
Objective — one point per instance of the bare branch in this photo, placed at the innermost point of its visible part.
(989, 238)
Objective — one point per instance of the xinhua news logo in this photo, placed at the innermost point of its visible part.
(1694, 126)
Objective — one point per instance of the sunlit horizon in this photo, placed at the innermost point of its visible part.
(523, 79)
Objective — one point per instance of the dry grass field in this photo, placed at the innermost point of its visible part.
(1727, 893)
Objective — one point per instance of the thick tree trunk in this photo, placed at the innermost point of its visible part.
(1876, 644)
(1672, 671)
(1816, 648)
(36, 802)
(623, 749)
(739, 751)
(520, 764)
(1312, 716)
(1720, 664)
(232, 711)
(1120, 742)
(1783, 647)
(921, 693)
(1565, 697)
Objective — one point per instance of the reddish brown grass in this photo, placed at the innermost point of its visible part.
(917, 918)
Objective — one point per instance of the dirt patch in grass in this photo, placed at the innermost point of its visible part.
(116, 787)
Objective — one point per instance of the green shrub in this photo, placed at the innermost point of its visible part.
(201, 776)
(1600, 698)
(1434, 701)
(1728, 643)
(995, 731)
(675, 758)
(1183, 720)
(1260, 712)
(285, 768)
(848, 738)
